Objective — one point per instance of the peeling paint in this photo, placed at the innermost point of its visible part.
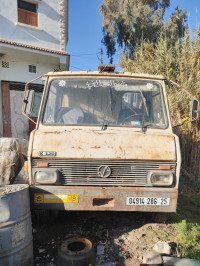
(112, 145)
(116, 196)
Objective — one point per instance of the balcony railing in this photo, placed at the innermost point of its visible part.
(27, 17)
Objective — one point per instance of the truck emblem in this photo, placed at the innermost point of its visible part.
(104, 171)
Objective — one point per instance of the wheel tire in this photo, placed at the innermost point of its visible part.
(76, 252)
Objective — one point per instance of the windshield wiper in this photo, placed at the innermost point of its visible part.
(104, 125)
(145, 126)
(144, 102)
(105, 122)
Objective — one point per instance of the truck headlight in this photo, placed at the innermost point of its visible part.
(48, 177)
(161, 178)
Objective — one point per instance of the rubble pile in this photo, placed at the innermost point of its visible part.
(13, 153)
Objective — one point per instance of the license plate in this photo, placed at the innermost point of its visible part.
(151, 201)
(56, 198)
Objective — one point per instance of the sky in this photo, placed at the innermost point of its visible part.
(85, 31)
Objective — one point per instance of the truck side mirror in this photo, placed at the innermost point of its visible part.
(29, 102)
(194, 111)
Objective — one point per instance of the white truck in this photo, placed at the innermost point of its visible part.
(104, 142)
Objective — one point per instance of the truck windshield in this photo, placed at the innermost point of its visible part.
(105, 101)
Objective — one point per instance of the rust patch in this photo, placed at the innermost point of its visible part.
(159, 156)
(96, 145)
(78, 148)
(42, 164)
(165, 167)
(103, 202)
(92, 198)
(100, 133)
(54, 132)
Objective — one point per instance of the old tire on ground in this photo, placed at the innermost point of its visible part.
(76, 252)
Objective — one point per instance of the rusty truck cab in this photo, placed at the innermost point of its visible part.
(104, 141)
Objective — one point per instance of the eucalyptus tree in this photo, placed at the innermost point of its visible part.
(128, 23)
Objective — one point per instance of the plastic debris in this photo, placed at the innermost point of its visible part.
(100, 249)
(119, 256)
(41, 250)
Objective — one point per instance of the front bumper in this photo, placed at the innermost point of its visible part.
(99, 198)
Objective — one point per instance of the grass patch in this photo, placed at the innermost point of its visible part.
(162, 236)
(188, 209)
(187, 222)
(188, 239)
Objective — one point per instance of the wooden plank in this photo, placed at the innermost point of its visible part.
(5, 86)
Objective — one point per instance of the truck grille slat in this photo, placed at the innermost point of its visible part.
(85, 172)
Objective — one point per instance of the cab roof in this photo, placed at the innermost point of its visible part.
(105, 74)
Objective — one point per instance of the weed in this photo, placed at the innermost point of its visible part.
(162, 236)
(188, 239)
(187, 224)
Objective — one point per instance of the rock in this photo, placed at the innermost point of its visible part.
(167, 261)
(131, 262)
(162, 248)
(22, 177)
(13, 153)
(152, 258)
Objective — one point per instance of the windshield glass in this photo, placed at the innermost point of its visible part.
(105, 101)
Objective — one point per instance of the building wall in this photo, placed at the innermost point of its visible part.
(51, 32)
(18, 69)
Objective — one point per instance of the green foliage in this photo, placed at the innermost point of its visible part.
(176, 60)
(186, 220)
(129, 23)
(195, 200)
(188, 239)
(176, 28)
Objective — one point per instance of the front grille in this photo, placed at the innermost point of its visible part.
(85, 173)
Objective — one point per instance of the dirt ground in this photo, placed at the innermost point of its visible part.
(124, 236)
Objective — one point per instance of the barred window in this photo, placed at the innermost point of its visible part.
(32, 68)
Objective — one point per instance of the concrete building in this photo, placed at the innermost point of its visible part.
(33, 39)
